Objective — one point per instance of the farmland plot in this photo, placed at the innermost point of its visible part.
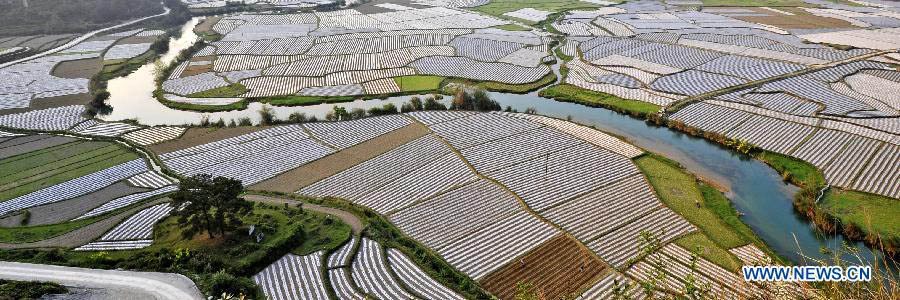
(75, 187)
(722, 281)
(371, 174)
(126, 201)
(469, 131)
(750, 255)
(559, 266)
(51, 119)
(441, 220)
(274, 150)
(489, 249)
(348, 133)
(514, 149)
(293, 277)
(623, 244)
(771, 134)
(604, 288)
(588, 134)
(711, 118)
(370, 272)
(341, 257)
(154, 135)
(881, 178)
(434, 177)
(299, 51)
(416, 279)
(551, 179)
(433, 117)
(140, 225)
(343, 288)
(603, 210)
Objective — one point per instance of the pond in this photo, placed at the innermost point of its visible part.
(756, 190)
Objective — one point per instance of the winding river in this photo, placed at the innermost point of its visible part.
(756, 190)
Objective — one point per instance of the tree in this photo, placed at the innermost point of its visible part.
(340, 113)
(209, 204)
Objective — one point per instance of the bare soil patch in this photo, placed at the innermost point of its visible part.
(557, 268)
(82, 68)
(62, 211)
(202, 135)
(307, 174)
(194, 70)
(207, 25)
(800, 20)
(27, 144)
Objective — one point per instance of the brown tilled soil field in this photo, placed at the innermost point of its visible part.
(82, 68)
(800, 20)
(206, 25)
(295, 179)
(198, 136)
(194, 70)
(557, 269)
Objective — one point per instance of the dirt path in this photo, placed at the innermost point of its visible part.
(84, 234)
(355, 224)
(121, 284)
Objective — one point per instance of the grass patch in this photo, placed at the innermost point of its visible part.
(710, 251)
(29, 234)
(418, 83)
(513, 27)
(796, 171)
(231, 90)
(30, 172)
(680, 192)
(571, 93)
(872, 214)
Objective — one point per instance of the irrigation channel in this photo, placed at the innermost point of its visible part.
(756, 190)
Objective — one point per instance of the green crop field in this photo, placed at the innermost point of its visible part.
(28, 172)
(418, 83)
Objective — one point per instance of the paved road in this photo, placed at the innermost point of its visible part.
(111, 284)
(355, 224)
(81, 39)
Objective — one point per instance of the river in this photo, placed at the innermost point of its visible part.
(756, 190)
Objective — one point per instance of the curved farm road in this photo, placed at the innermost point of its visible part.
(355, 224)
(114, 284)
